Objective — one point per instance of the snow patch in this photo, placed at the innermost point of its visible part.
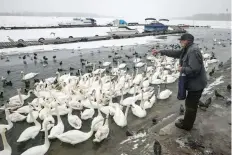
(180, 142)
(215, 83)
(135, 146)
(139, 135)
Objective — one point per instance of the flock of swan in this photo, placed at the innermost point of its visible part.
(88, 93)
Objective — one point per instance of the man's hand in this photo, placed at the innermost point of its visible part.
(154, 52)
(179, 68)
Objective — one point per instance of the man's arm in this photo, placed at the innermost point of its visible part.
(171, 53)
(194, 64)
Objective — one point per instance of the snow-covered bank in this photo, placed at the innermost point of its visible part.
(82, 45)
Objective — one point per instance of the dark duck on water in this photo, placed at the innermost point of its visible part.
(1, 94)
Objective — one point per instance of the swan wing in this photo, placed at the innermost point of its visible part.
(74, 121)
(73, 136)
(37, 150)
(29, 133)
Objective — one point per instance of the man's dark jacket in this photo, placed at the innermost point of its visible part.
(192, 64)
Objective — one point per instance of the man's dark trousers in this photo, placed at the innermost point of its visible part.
(191, 105)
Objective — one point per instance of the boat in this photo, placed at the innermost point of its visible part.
(80, 22)
(122, 30)
(152, 25)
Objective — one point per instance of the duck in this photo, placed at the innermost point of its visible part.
(164, 94)
(28, 76)
(58, 128)
(76, 136)
(103, 131)
(40, 149)
(9, 125)
(74, 120)
(16, 117)
(7, 148)
(30, 132)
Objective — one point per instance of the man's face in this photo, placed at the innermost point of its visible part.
(183, 43)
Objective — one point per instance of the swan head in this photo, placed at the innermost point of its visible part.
(21, 72)
(18, 90)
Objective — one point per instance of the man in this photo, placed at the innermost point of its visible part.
(191, 64)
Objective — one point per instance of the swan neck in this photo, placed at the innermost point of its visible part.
(57, 114)
(20, 97)
(127, 110)
(8, 119)
(34, 120)
(134, 90)
(4, 140)
(158, 91)
(46, 141)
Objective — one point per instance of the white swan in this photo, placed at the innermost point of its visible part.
(7, 149)
(58, 128)
(139, 111)
(95, 125)
(119, 118)
(40, 149)
(87, 114)
(170, 79)
(20, 97)
(129, 100)
(63, 110)
(139, 64)
(121, 66)
(74, 120)
(25, 109)
(48, 122)
(103, 131)
(137, 78)
(136, 60)
(164, 94)
(75, 136)
(35, 115)
(16, 117)
(105, 64)
(28, 76)
(9, 125)
(30, 132)
(145, 83)
(149, 103)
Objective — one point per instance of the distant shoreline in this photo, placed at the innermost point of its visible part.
(53, 14)
(208, 17)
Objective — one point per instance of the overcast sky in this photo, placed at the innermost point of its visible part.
(120, 8)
